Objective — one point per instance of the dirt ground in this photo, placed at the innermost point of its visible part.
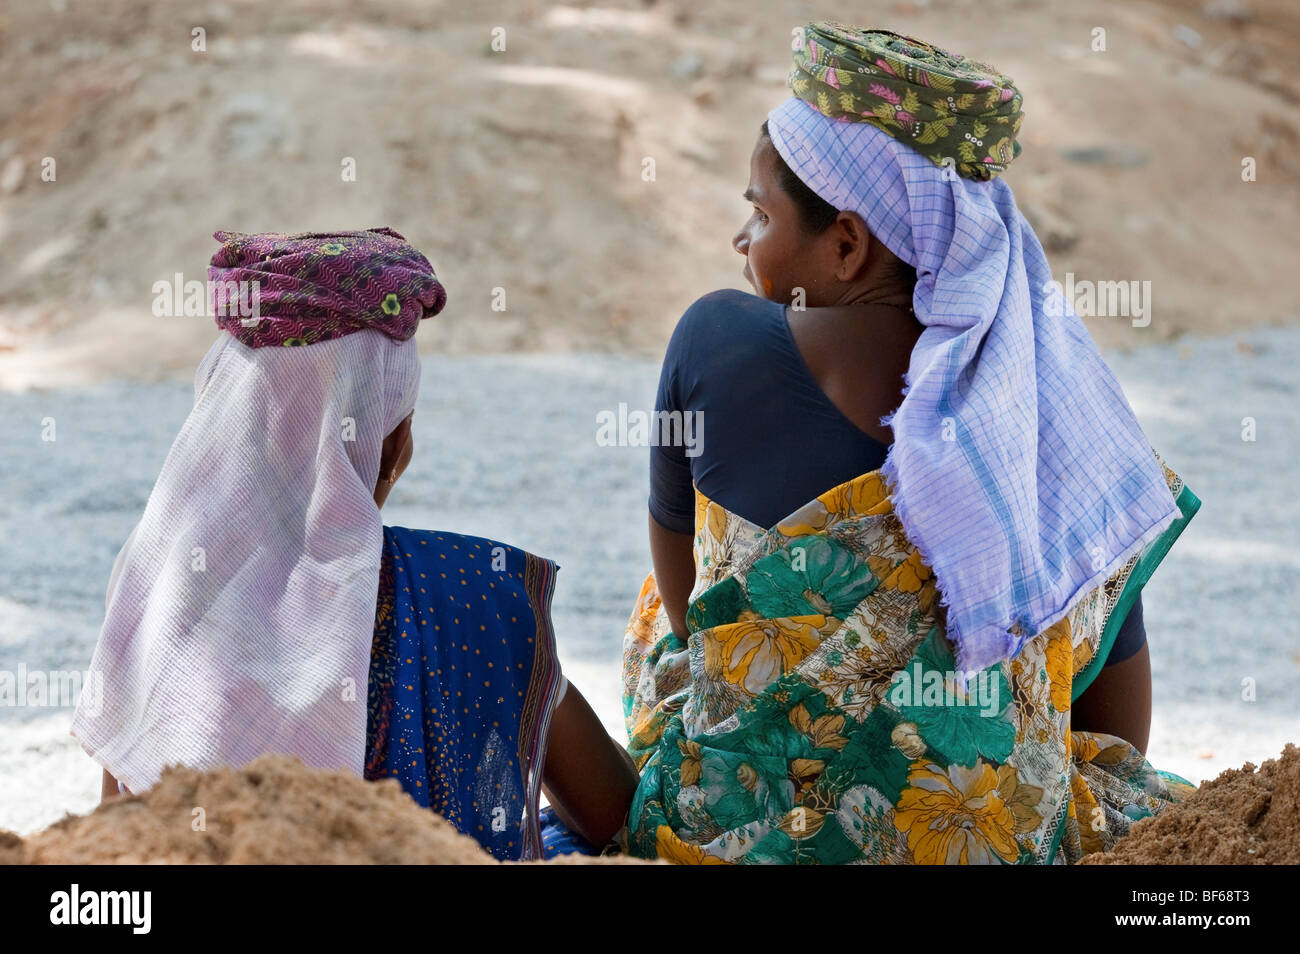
(276, 811)
(273, 811)
(1246, 816)
(522, 169)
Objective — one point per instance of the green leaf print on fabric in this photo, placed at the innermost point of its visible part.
(873, 759)
(774, 848)
(977, 722)
(829, 846)
(809, 576)
(718, 605)
(738, 789)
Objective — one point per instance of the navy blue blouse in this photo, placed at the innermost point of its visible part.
(763, 437)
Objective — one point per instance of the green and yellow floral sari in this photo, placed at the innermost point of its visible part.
(814, 715)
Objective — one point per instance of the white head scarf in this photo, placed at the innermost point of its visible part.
(242, 611)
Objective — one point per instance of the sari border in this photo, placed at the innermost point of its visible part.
(540, 701)
(1064, 815)
(1150, 558)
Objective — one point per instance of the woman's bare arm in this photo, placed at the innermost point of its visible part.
(674, 566)
(589, 778)
(1119, 701)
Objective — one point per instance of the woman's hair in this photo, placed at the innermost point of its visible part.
(815, 213)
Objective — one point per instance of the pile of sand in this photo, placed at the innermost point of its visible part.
(1243, 817)
(273, 811)
(277, 811)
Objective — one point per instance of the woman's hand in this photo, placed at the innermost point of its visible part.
(108, 788)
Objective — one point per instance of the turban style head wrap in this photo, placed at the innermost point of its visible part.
(314, 286)
(953, 110)
(1018, 468)
(241, 610)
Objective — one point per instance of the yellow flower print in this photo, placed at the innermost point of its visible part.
(671, 848)
(893, 530)
(755, 654)
(715, 653)
(928, 598)
(647, 733)
(1088, 813)
(1101, 749)
(955, 816)
(641, 626)
(1060, 662)
(824, 730)
(1082, 745)
(1021, 798)
(911, 574)
(1083, 654)
(800, 719)
(882, 568)
(691, 756)
(864, 496)
(701, 509)
(809, 520)
(716, 522)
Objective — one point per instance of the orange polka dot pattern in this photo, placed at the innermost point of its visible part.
(463, 680)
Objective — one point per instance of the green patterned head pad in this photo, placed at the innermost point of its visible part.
(953, 110)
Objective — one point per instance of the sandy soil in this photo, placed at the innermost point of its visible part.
(276, 811)
(273, 811)
(1246, 816)
(522, 169)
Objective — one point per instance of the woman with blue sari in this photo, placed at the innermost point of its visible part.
(261, 605)
(894, 610)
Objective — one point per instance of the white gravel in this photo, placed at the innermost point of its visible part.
(506, 448)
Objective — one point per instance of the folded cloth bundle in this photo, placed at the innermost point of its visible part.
(953, 110)
(314, 286)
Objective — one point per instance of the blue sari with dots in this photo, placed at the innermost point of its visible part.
(463, 681)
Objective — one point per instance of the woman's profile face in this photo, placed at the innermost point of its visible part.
(778, 252)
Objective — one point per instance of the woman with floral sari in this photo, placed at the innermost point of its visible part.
(894, 613)
(261, 604)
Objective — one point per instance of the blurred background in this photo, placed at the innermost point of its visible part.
(508, 141)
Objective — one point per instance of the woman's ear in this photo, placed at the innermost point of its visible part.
(853, 245)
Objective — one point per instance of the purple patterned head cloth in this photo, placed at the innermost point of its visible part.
(313, 286)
